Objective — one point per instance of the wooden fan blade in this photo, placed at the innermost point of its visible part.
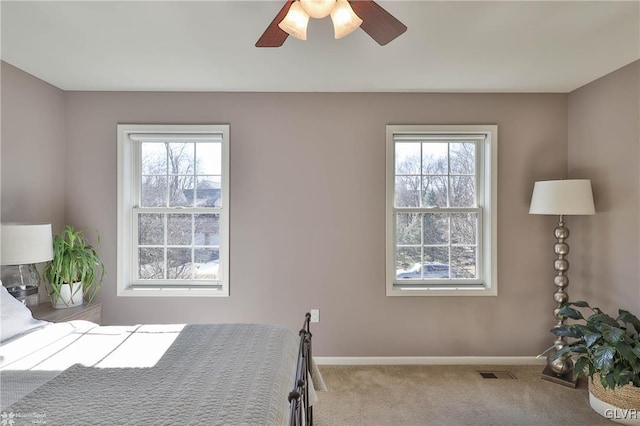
(273, 36)
(381, 26)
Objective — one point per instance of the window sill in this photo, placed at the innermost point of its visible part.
(171, 292)
(400, 290)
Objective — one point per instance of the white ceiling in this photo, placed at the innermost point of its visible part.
(539, 46)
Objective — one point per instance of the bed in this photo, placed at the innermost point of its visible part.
(80, 373)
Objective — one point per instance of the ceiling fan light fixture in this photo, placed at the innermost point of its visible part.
(295, 22)
(318, 8)
(345, 20)
(347, 15)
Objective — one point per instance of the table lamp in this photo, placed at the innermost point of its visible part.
(22, 246)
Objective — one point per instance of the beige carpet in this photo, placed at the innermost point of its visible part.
(448, 395)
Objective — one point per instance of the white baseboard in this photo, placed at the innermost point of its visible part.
(431, 360)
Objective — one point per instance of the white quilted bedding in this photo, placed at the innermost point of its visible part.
(79, 373)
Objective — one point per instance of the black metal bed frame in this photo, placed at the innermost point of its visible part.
(301, 413)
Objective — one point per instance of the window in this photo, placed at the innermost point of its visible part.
(173, 210)
(441, 210)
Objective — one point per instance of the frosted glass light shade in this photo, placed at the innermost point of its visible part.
(318, 8)
(345, 20)
(295, 22)
(25, 244)
(562, 197)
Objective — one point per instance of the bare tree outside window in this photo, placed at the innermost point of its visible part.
(438, 175)
(175, 245)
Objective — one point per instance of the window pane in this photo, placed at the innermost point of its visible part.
(179, 231)
(209, 158)
(179, 264)
(408, 228)
(463, 191)
(407, 263)
(151, 263)
(207, 230)
(407, 191)
(181, 191)
(407, 256)
(463, 262)
(408, 158)
(436, 255)
(181, 158)
(436, 228)
(209, 191)
(435, 158)
(434, 191)
(207, 264)
(153, 191)
(435, 270)
(463, 158)
(151, 229)
(464, 228)
(154, 158)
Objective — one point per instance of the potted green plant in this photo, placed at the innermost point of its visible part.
(76, 272)
(608, 350)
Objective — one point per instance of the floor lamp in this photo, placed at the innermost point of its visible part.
(562, 198)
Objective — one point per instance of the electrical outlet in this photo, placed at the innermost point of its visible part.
(315, 315)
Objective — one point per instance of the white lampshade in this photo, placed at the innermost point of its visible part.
(24, 244)
(345, 20)
(562, 197)
(296, 21)
(318, 8)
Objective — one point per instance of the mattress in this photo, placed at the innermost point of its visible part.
(79, 373)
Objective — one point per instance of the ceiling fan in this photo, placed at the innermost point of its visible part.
(292, 19)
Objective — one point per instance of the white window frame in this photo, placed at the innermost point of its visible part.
(129, 173)
(487, 187)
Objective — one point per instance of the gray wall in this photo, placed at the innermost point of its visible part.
(307, 213)
(604, 146)
(33, 149)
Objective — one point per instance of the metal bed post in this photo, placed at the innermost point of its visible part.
(308, 408)
(301, 413)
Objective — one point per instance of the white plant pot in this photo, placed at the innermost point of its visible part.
(625, 416)
(70, 296)
(621, 405)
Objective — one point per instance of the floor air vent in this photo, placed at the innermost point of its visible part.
(497, 375)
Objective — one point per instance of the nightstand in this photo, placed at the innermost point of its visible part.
(45, 311)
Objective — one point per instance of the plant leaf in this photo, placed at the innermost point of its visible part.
(636, 349)
(562, 352)
(566, 330)
(626, 352)
(629, 318)
(603, 358)
(591, 338)
(583, 328)
(608, 381)
(624, 377)
(550, 348)
(567, 311)
(578, 348)
(580, 365)
(579, 304)
(592, 370)
(612, 334)
(601, 318)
